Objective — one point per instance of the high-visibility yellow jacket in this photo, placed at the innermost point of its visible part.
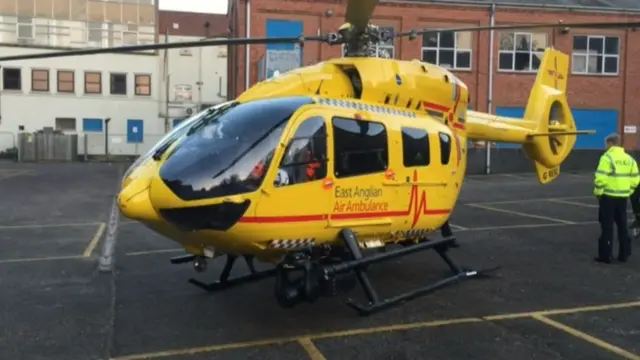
(617, 174)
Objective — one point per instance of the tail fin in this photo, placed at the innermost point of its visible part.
(555, 132)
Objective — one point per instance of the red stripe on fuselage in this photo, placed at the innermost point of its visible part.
(350, 216)
(436, 107)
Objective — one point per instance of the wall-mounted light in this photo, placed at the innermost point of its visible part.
(329, 12)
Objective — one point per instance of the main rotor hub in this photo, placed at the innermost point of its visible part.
(362, 42)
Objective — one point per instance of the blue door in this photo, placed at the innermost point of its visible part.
(604, 122)
(283, 28)
(135, 131)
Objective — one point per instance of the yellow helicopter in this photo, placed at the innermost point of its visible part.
(308, 170)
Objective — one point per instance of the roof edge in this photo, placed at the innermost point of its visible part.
(502, 4)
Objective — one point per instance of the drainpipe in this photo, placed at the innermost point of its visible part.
(492, 22)
(247, 60)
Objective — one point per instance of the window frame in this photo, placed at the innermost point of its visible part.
(112, 75)
(73, 81)
(135, 84)
(515, 51)
(456, 50)
(440, 142)
(33, 80)
(587, 56)
(294, 138)
(99, 83)
(428, 143)
(335, 153)
(4, 78)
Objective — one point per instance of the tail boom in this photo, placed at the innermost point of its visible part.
(547, 131)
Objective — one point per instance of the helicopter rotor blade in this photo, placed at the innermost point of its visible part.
(587, 25)
(359, 12)
(162, 46)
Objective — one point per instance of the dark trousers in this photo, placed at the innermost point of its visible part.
(612, 211)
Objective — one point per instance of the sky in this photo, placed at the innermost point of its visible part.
(202, 6)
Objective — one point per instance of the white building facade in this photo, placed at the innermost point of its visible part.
(119, 99)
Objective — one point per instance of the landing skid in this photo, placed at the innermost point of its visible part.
(375, 304)
(224, 282)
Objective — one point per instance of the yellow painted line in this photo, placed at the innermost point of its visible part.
(311, 349)
(512, 212)
(375, 330)
(586, 337)
(149, 252)
(50, 258)
(94, 241)
(42, 226)
(576, 310)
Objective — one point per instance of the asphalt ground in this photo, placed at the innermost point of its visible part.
(549, 299)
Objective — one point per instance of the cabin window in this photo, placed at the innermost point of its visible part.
(360, 147)
(415, 147)
(445, 148)
(305, 158)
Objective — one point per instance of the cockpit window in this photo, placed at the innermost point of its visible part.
(177, 133)
(229, 154)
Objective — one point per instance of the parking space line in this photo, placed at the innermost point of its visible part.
(13, 173)
(586, 337)
(567, 202)
(149, 252)
(457, 227)
(530, 200)
(311, 349)
(376, 330)
(42, 226)
(520, 213)
(50, 258)
(94, 241)
(526, 226)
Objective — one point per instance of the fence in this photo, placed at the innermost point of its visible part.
(114, 146)
(8, 145)
(47, 146)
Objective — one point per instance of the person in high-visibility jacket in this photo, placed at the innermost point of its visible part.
(615, 180)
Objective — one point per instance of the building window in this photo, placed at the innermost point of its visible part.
(118, 84)
(66, 81)
(415, 147)
(383, 48)
(25, 27)
(360, 147)
(66, 124)
(595, 55)
(39, 80)
(521, 51)
(11, 79)
(447, 49)
(143, 85)
(95, 32)
(92, 82)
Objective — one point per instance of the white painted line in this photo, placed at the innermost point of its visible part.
(520, 213)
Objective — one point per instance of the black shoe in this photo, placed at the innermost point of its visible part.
(599, 259)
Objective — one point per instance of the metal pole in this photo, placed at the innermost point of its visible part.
(167, 83)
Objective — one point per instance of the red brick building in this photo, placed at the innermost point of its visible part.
(603, 86)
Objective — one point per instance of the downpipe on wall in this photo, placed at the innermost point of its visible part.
(492, 20)
(247, 64)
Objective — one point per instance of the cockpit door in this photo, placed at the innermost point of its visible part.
(295, 196)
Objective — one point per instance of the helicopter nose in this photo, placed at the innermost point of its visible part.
(134, 203)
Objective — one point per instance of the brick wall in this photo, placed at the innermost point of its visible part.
(510, 89)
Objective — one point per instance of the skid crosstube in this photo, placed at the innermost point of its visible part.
(224, 282)
(359, 262)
